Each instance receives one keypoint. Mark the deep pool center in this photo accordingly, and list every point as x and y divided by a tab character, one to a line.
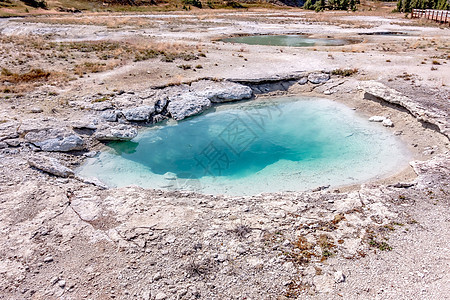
260	146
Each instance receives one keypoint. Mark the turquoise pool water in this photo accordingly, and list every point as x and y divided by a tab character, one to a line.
285	40
272	145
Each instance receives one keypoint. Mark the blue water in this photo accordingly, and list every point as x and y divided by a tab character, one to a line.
281	144
285	40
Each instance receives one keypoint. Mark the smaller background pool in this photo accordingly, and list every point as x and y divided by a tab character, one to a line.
286	40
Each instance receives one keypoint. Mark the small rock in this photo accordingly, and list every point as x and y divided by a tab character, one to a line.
54	280
377	119
186	105
170	239
387	123
303	80
327	92
339	277
157	276
160	105
317	78
55	140
170	176
160	296
280	215
221	257
13	142
36	110
240	250
48	259
221	91
62	283
141	113
49	165
3	145
90	154
115	133
110	116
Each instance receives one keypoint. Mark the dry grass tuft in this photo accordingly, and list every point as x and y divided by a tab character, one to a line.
30	76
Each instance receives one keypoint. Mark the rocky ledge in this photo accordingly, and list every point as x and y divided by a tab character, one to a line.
438	118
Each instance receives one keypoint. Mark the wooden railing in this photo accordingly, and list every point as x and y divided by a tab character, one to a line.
442	16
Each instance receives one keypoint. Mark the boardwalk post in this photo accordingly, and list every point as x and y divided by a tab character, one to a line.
440	16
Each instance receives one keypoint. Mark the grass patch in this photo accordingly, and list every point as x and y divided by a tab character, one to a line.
383	246
344	72
303	251
91	67
185	67
326	244
102	99
31	76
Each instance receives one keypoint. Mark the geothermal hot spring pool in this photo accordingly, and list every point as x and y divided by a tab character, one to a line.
293	40
268	145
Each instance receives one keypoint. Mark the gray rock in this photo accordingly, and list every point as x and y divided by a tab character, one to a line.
171	91
339	277
50	165
317	78
61	140
110	115
40	124
48	259
377	119
62	283
303	80
160	296
3	145
36	110
54	280
387	123
90	154
141	113
240	250
115	133
157	276
186	105
160	105
13	142
221	91
221	257
86	123
8	130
